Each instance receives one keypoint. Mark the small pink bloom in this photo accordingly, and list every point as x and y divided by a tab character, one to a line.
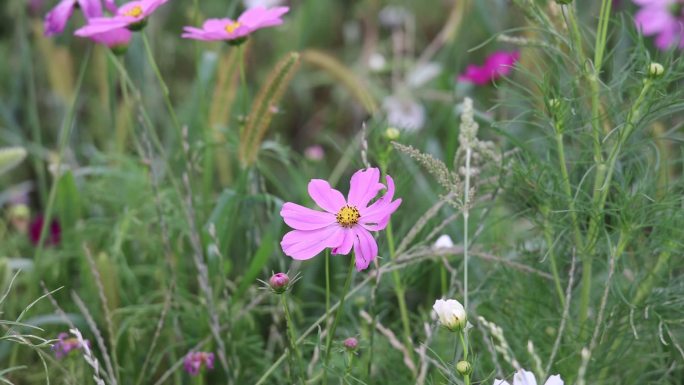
66	345
129	15
194	360
54	231
345	223
279	282
663	19
56	19
496	65
227	29
351	343
315	152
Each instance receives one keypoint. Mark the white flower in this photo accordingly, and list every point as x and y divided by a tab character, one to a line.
451	314
404	113
523	377
443	242
263	3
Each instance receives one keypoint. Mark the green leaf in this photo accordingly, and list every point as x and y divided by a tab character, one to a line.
10	157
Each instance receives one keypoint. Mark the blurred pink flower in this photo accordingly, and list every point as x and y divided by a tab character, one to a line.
111	6
194	360
54	231
496	65
131	15
56	19
663	18
227	29
315	152
344	223
66	345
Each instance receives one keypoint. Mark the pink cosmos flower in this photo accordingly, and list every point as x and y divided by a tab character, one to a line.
194	360
344	223
496	65
227	29
663	18
116	39
131	15
56	19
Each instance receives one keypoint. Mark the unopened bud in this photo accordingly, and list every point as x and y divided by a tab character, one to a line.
655	70
464	368
279	283
351	344
392	133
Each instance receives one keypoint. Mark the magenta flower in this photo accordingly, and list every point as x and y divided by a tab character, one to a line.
116	39
344	223
132	15
54	231
66	345
279	282
663	18
229	30
496	65
56	19
194	360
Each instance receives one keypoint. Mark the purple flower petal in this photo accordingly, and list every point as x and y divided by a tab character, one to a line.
303	218
325	196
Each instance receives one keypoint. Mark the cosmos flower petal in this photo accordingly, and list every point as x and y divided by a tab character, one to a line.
303	218
56	19
90	8
114	38
523	377
652	20
99	25
365	248
302	244
325	196
260	17
347	242
111	6
364	186
500	382
554	380
496	65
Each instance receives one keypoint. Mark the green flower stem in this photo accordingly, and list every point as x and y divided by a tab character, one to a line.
347	371
327	283
464	344
601	189
400	292
162	84
295	361
548	237
64	135
466	215
340	309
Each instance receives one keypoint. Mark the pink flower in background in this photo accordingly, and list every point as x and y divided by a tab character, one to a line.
344	223
66	345
315	152
56	19
227	29
496	65
132	15
664	19
54	231
194	361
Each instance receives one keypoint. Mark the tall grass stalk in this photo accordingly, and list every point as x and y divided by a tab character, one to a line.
333	328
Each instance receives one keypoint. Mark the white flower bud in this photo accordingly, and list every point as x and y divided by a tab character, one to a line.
655	70
451	314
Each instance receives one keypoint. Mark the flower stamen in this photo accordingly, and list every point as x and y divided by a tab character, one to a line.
232	26
348	216
135	11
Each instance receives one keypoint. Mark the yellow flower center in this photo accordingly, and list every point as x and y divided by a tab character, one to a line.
232	26
134	11
348	216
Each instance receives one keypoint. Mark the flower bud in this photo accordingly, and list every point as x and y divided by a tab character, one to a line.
392	133
279	283
351	344
451	314
655	70
464	368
